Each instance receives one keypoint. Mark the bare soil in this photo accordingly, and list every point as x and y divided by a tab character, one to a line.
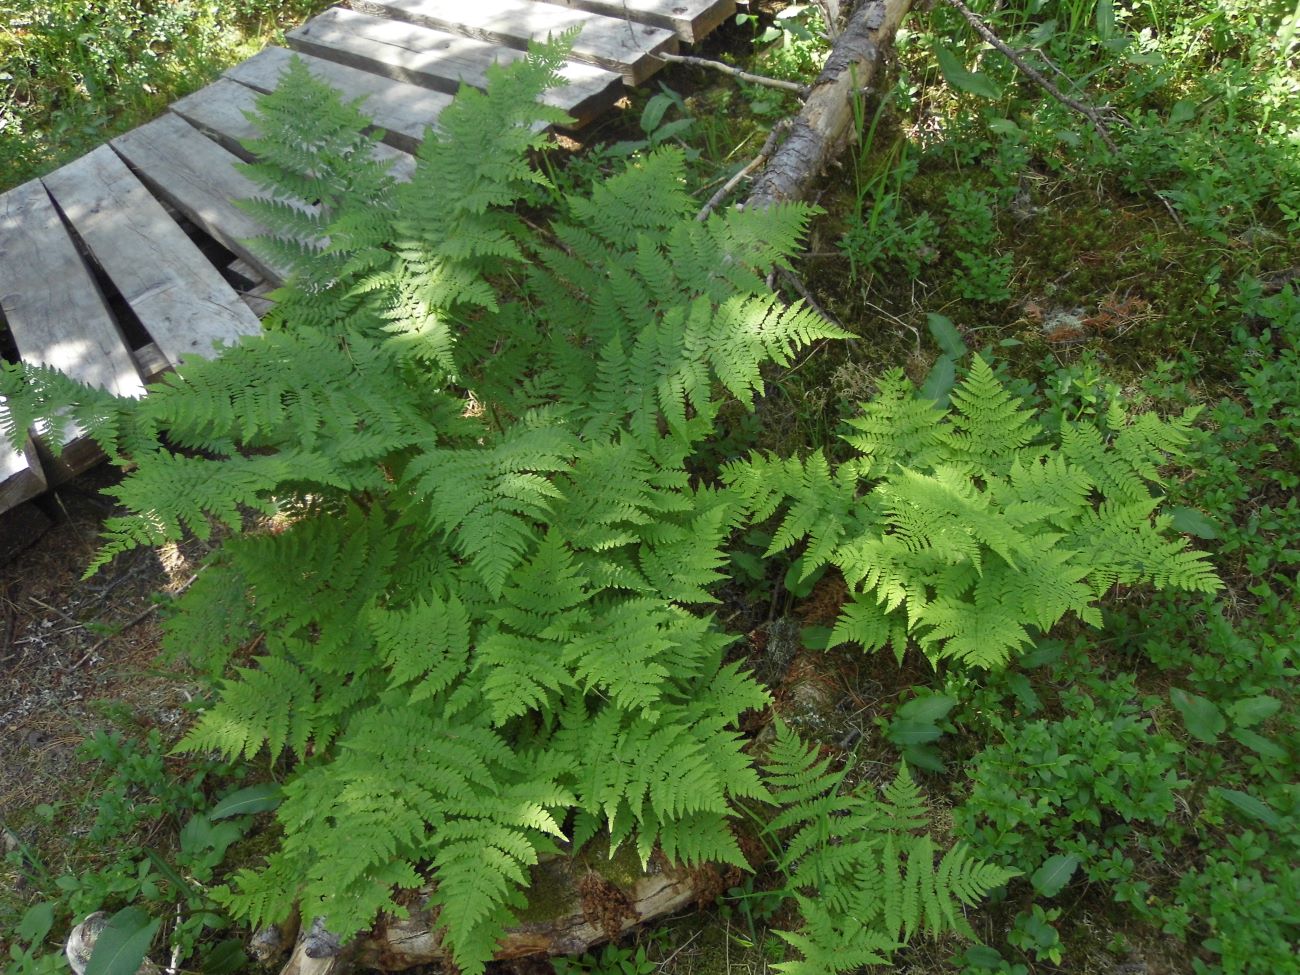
76	656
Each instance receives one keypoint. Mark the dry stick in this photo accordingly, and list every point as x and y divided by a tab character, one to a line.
753	164
1087	111
757	79
794	281
139	617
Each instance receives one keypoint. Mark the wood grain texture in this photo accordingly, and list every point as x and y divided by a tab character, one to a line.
55	310
198	177
181	299
617	45
403	112
21	476
691	20
221	110
433	59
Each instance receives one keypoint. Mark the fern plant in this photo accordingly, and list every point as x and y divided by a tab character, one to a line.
479	619
860	868
966	529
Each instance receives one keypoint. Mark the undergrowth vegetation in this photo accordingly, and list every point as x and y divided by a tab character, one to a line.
1039	441
75	73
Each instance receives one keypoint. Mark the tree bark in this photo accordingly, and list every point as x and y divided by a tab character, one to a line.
826	119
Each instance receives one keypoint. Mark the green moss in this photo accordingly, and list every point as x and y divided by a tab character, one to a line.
551	894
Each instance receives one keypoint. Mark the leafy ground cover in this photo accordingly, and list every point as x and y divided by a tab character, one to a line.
76	74
1140	775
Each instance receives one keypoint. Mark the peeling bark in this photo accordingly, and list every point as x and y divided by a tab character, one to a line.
826	120
572	907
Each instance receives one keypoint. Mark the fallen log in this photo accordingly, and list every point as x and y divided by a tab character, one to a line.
574	903
826	120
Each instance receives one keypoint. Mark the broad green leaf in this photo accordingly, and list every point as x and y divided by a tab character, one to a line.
1105	19
654	111
1189	521
1043	33
1259	744
1255	808
924	757
255	799
1028	699
1251	711
984	956
196	834
182	885
930	707
227	956
939	383
946	335
36	923
963	79
1052	876
1183	111
1043	655
1203	720
123	943
816	637
913	732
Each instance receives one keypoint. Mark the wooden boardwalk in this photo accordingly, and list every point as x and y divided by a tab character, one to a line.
116	265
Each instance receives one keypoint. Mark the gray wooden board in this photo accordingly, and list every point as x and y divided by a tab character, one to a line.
199	178
691	20
433	59
21	476
54	308
618	45
221	110
403	111
181	299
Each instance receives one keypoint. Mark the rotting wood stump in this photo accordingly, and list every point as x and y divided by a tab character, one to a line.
574	903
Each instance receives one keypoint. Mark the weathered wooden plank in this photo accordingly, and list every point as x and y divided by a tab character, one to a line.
403	111
21	476
433	59
691	20
56	313
220	110
181	299
617	45
54	308
199	178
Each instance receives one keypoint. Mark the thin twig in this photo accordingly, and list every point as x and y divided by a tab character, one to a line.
768	145
755	79
794	281
986	32
138	618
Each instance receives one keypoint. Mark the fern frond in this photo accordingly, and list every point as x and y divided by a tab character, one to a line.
897	428
862	881
273	704
988	423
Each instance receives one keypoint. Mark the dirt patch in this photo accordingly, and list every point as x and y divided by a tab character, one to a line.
77	656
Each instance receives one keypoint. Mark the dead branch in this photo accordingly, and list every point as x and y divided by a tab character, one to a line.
1024	67
755	79
827	116
753	164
